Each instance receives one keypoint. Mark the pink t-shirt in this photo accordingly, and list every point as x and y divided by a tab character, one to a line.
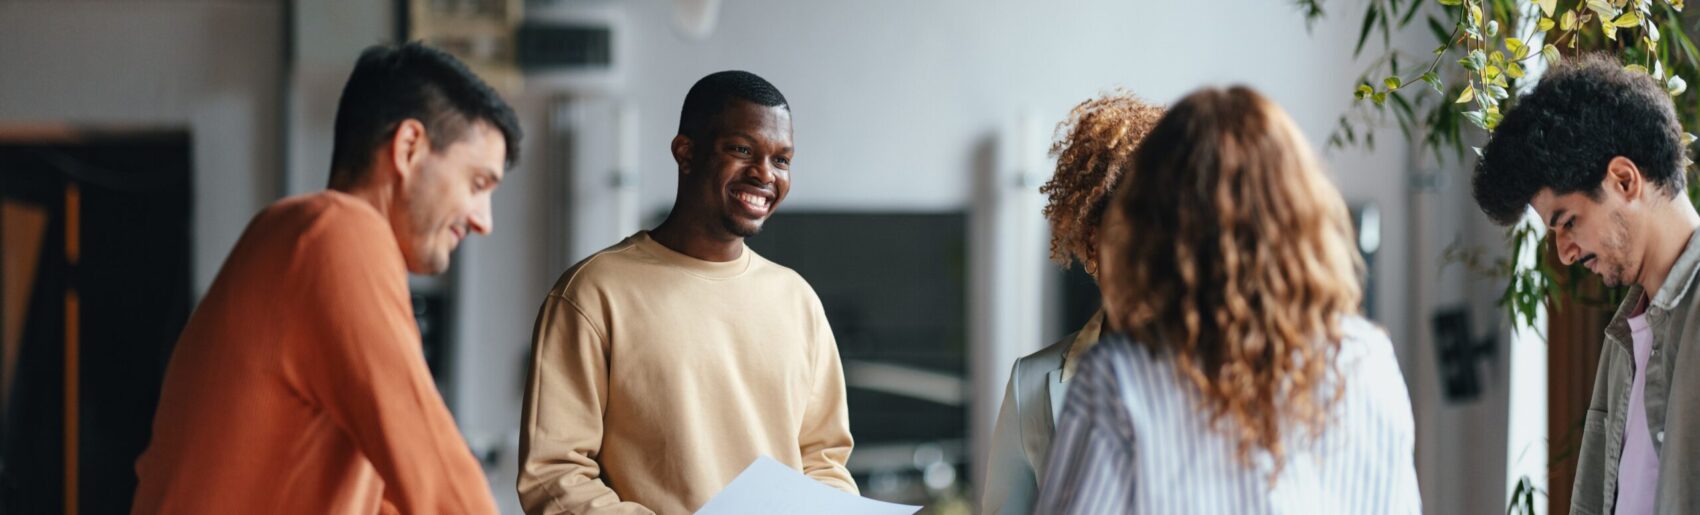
1638	469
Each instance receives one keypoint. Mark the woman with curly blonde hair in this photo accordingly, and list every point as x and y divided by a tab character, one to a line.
1098	139
1240	378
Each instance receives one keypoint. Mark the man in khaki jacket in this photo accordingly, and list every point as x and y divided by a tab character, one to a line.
664	365
1598	153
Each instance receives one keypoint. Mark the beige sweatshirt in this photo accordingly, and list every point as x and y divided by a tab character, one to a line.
657	377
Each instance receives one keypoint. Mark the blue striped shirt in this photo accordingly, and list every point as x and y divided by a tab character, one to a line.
1133	439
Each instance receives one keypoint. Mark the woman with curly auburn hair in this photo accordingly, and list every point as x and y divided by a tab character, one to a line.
1097	142
1240	377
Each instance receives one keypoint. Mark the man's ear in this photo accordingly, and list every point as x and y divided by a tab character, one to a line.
408	148
682	153
1624	178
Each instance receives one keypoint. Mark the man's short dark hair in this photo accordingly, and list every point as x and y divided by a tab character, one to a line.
1562	135
391	84
710	96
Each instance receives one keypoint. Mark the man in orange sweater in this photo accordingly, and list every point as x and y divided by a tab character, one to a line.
299	385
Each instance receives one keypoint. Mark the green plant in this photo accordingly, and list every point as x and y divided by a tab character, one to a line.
1523	497
1487	52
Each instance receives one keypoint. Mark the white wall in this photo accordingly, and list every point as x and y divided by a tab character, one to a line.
894	102
1461	447
211	67
327	36
890	98
895	105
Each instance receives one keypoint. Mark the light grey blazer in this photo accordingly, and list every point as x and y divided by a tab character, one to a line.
1021	441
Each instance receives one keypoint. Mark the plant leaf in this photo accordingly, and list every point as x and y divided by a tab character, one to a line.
1496	92
1433	81
1392	82
1416	5
1675	85
1407	115
1548	6
1439	30
1603	9
1628	20
1468	94
1551	54
1545	24
1363	33
1478	118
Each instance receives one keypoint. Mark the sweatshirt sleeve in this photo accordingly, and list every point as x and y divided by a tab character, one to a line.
561	429
365	368
825	438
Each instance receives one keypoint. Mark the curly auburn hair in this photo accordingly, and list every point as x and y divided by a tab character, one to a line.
1230	252
1100	135
1560	136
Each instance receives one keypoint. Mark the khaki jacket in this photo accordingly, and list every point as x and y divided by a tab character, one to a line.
1672	398
1021	441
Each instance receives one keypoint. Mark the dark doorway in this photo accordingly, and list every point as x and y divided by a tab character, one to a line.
96	233
894	287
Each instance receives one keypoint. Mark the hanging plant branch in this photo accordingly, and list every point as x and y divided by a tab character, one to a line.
1485	51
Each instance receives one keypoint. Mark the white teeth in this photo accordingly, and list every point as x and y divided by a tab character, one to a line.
754	200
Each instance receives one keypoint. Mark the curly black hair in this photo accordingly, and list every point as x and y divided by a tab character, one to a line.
1560	136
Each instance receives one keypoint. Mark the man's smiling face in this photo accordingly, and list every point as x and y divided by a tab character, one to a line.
742	171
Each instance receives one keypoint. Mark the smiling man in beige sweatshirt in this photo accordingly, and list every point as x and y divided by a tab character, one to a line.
665	364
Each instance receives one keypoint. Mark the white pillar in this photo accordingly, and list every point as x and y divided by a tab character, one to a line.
1009	244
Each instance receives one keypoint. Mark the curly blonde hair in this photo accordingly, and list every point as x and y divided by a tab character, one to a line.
1231	252
1099	137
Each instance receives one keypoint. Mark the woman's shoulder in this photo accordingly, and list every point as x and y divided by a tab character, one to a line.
1048	358
1117	362
1117	347
1362	343
1375	385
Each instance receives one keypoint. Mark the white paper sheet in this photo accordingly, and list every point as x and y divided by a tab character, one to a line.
768	487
